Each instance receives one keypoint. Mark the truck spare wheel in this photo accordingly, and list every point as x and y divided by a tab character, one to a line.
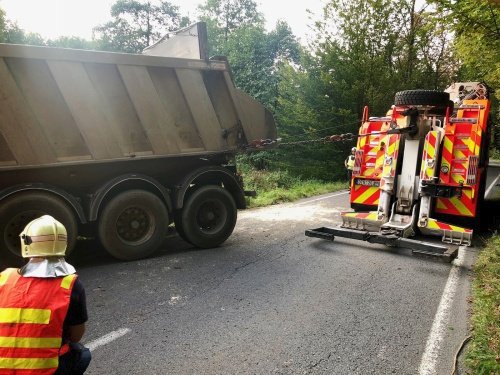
133	224
422	97
208	217
19	209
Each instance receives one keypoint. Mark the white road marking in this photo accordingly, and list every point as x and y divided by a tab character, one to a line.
322	198
106	339
493	184
438	330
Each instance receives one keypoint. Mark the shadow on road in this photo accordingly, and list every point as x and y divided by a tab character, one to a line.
90	253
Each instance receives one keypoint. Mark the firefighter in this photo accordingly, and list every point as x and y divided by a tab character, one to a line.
42	307
349	163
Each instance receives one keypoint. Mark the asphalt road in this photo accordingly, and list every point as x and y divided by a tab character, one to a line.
272	301
493	182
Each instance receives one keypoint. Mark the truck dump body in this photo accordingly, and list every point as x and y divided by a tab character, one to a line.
61	106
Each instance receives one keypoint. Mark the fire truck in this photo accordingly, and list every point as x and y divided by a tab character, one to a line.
420	170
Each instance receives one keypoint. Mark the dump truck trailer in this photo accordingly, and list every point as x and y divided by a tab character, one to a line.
119	146
420	171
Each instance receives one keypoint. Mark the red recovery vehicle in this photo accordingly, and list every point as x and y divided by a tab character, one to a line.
420	170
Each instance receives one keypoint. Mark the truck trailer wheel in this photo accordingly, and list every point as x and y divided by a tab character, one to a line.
19	209
178	225
133	225
422	97
209	216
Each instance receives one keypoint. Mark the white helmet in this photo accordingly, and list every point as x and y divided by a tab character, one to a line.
353	149
44	237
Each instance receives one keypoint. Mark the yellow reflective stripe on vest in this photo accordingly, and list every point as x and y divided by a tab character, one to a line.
30	342
66	281
18	315
29	363
350	162
4	276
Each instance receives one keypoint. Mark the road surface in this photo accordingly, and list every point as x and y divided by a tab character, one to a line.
272	301
492	193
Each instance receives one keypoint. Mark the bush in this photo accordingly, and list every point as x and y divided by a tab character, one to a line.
482	355
275	187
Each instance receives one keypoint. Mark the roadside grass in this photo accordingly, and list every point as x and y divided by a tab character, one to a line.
494	154
483	354
275	187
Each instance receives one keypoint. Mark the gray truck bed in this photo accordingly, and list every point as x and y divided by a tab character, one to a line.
60	106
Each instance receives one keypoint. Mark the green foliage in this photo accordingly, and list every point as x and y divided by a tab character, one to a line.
476	24
2	25
137	24
366	51
280	186
71	42
236	30
224	17
379	47
482	354
251	63
10	32
15	35
494	154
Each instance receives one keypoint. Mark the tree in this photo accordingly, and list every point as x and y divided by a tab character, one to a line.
226	16
236	30
10	32
15	35
476	24
477	27
256	56
366	50
71	42
379	47
2	25
137	24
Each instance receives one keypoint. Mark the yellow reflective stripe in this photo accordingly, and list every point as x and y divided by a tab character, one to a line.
66	281
366	195
30	342
462	208
4	276
18	315
441	205
448	144
28	363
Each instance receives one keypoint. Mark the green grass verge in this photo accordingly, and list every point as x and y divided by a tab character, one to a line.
483	354
275	187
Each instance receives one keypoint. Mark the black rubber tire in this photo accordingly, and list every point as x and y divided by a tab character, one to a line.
209	216
178	225
441	111
133	225
19	209
480	220
422	97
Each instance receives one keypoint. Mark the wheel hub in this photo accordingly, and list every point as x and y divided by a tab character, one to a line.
135	225
211	216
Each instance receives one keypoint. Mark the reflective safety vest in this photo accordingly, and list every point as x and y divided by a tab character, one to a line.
32	313
349	163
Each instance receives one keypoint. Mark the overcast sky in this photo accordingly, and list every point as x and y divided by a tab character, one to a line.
53	18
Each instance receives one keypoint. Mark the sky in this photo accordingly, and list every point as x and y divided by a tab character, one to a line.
54	18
